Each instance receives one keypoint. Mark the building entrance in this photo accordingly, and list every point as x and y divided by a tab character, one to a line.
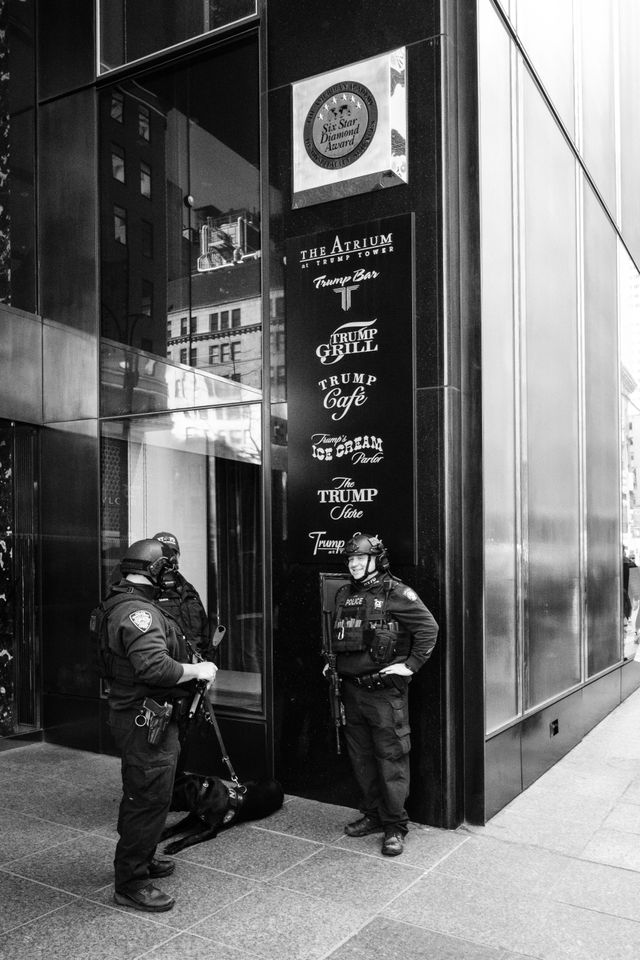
19	608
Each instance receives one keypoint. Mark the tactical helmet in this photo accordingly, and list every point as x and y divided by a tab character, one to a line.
169	540
370	545
146	557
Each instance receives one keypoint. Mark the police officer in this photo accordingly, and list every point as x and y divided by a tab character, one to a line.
382	635
146	659
181	600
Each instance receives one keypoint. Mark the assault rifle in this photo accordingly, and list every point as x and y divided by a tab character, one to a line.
335	696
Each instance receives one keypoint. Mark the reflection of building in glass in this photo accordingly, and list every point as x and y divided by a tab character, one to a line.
214	322
134	224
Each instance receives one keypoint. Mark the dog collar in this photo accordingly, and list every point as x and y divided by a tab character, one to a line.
236	798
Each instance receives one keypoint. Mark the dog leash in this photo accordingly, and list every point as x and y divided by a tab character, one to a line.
225	756
201	695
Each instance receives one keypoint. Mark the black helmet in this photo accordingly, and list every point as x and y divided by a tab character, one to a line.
146	557
169	539
365	544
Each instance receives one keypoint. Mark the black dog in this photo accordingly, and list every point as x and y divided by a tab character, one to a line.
214	805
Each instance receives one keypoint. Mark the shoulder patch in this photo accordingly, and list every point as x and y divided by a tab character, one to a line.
141	619
410	594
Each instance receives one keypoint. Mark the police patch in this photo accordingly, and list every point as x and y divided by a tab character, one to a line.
141	619
410	594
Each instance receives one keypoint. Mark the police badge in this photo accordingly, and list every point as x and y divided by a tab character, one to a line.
141	619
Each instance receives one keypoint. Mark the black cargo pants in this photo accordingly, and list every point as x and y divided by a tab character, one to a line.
148	774
378	740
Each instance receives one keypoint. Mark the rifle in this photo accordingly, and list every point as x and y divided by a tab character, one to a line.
335	698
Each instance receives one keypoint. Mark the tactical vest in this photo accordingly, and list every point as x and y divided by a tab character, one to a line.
362	624
113	664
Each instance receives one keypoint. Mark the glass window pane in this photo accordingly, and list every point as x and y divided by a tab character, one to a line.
196	474
117	163
128	31
191	225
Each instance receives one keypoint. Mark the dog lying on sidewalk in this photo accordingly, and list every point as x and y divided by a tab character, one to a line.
214	804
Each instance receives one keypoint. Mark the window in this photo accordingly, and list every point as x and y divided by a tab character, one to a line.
147	238
145	180
183	355
166	243
143	122
235	350
214	356
193	357
120	225
169	328
126	35
117	162
147	298
117	106
225	352
193	325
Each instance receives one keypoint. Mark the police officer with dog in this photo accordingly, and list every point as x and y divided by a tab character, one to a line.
147	663
382	634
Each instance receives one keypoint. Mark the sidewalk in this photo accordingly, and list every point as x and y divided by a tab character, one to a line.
556	875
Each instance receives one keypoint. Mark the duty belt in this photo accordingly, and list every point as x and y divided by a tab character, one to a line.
369	681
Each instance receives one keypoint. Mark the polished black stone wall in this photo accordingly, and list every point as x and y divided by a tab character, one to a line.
334	34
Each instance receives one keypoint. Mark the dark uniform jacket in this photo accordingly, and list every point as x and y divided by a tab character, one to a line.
382	602
183	603
147	649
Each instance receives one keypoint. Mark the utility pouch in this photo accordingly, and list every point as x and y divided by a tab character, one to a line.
382	645
155	718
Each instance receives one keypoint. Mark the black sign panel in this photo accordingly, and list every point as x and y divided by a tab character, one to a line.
351	388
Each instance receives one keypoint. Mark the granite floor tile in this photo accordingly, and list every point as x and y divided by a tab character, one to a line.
59	801
22	900
585	779
198	892
424	846
76	866
189	946
624	817
560	804
248	852
83	931
632	793
508	867
76	766
563	836
522	925
344	878
615	848
385	939
599	887
21	835
278	924
322	822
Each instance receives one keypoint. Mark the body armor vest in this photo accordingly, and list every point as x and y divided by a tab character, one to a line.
362	623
